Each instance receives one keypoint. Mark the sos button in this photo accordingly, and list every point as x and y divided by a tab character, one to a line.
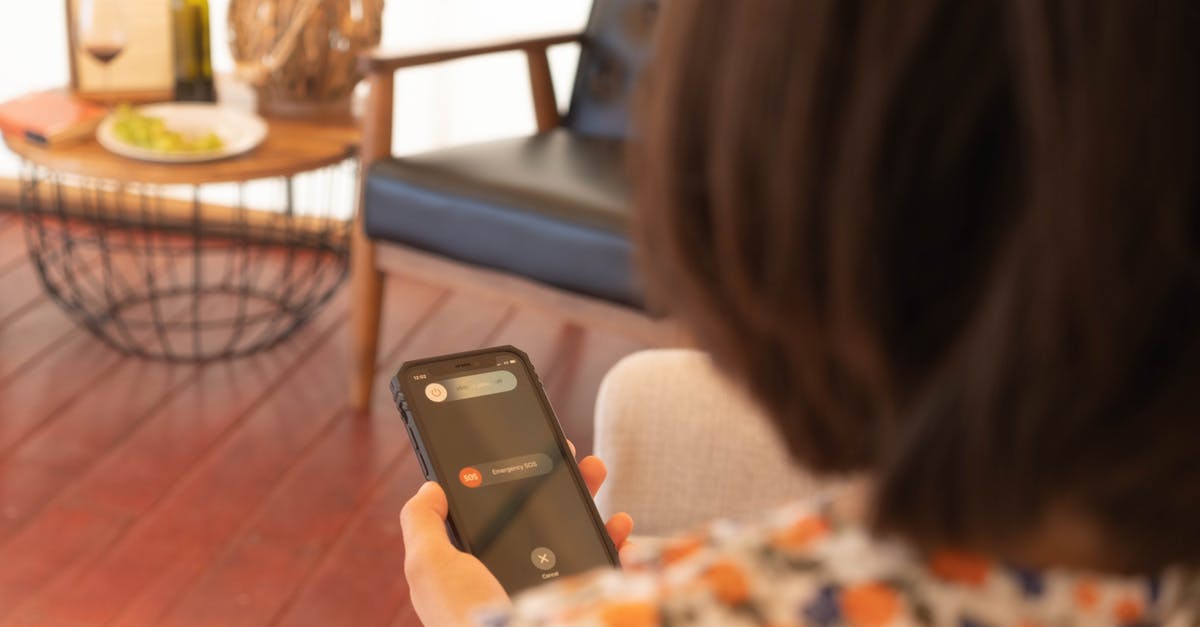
470	477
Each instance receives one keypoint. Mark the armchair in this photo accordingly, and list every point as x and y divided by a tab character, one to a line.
543	218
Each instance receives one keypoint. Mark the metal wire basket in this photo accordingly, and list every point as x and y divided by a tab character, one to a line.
189	273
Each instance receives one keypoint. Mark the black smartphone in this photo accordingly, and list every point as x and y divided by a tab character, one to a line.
482	427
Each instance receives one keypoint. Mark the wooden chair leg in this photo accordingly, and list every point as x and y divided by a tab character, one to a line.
365	278
366	284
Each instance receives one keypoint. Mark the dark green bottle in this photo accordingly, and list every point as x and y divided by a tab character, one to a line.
193	57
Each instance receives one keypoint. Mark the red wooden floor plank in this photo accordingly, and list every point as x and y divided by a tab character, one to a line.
56	455
50	377
97	396
406	617
535	333
145	465
246	472
19	289
553	347
18	279
37	327
59	450
12	241
255	574
64	531
362	580
573	383
254	579
31	335
50	383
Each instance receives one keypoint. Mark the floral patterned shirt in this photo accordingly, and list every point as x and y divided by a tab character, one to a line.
799	566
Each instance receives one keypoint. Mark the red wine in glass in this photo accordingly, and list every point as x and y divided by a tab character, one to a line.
101	32
104	52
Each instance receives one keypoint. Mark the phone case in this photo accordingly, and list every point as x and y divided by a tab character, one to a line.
426	463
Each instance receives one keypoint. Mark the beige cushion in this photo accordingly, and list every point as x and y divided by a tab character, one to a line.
685	446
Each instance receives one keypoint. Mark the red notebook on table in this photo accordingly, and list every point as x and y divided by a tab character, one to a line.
50	117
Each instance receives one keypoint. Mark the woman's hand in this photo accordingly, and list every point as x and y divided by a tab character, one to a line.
449	587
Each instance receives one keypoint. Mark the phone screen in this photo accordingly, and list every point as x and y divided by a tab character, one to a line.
493	446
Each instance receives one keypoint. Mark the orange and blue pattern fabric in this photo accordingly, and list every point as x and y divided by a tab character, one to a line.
799	566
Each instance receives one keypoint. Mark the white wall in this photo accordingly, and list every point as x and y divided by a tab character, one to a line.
449	104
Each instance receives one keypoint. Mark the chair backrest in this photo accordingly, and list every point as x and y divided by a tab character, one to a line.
616	46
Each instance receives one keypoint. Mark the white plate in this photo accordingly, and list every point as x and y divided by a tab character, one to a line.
239	131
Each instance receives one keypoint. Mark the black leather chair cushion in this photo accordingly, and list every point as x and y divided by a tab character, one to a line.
553	207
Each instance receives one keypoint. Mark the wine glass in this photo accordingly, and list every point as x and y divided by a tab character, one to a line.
100	32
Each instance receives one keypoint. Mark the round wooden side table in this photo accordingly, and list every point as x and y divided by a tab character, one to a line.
192	262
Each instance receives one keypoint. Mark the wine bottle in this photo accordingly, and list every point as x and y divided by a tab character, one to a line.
193	57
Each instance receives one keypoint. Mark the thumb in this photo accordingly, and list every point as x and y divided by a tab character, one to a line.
423	518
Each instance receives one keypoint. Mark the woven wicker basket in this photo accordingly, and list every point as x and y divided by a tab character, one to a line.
301	55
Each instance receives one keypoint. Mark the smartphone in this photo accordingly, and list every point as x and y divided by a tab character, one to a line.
482	427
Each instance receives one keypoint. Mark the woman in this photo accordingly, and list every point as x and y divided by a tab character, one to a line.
951	248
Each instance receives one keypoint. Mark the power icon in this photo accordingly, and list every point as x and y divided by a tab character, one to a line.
435	392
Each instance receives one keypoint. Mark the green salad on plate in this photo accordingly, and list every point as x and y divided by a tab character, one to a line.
151	133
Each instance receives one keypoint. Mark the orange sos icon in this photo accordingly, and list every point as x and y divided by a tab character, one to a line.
470	477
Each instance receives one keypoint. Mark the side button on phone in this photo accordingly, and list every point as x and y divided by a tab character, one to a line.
424	468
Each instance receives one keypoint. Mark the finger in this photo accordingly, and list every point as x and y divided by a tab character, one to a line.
423	520
619	527
571	445
627	554
594	471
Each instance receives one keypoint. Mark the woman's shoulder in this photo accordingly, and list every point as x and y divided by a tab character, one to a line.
801	565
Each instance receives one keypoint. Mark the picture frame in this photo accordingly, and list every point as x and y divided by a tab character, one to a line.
142	72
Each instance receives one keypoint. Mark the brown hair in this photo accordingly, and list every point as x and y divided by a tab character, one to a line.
951	244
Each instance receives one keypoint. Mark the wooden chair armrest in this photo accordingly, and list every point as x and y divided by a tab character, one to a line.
377	61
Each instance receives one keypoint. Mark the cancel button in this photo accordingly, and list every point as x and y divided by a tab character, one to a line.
543	558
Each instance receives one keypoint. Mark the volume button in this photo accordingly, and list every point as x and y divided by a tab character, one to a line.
412	439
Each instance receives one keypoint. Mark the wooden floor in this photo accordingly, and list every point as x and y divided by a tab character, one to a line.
240	493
